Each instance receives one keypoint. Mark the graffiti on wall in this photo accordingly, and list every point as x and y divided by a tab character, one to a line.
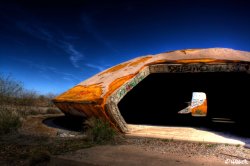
182	68
119	94
175	68
116	116
124	89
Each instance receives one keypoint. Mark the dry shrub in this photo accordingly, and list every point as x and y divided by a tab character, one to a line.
99	131
17	102
52	111
13	96
9	121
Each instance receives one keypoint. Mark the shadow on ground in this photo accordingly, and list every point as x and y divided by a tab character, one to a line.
70	123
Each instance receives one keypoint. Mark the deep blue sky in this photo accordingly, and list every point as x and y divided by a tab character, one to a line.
53	45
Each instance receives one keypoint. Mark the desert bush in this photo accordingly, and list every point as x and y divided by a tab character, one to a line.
99	131
9	121
9	89
52	111
17	102
27	98
26	102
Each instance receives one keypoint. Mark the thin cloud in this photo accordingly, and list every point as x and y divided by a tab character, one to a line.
98	67
41	32
35	30
67	78
70	37
44	69
59	39
45	35
75	56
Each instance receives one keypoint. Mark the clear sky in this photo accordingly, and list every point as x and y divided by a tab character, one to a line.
52	45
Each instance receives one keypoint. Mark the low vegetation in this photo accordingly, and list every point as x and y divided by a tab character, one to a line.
21	149
9	121
33	150
99	131
16	102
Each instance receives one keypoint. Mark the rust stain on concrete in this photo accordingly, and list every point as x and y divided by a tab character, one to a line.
115	68
82	93
140	60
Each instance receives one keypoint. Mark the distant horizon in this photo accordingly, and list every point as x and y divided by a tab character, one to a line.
53	46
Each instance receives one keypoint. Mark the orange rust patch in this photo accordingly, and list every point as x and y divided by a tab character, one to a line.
81	93
197	60
205	61
115	68
119	82
114	85
141	60
189	51
201	109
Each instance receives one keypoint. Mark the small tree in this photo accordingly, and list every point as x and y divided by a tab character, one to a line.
28	98
16	102
10	90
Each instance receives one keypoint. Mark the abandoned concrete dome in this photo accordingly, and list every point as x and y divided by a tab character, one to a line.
154	86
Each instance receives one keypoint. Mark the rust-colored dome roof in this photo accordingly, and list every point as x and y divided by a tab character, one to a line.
93	97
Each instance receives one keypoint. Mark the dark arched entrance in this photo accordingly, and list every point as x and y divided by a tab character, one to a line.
157	99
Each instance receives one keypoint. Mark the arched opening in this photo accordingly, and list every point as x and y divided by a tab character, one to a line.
157	99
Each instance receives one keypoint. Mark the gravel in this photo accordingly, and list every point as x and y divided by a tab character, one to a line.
188	149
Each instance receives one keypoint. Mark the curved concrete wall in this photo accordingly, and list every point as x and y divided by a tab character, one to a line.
99	95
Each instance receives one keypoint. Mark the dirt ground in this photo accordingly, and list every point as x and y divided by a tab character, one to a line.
42	145
23	150
131	155
149	152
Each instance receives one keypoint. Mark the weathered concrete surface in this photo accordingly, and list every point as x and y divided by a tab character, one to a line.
129	155
181	134
99	95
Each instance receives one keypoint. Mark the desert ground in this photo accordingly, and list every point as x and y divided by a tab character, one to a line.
37	143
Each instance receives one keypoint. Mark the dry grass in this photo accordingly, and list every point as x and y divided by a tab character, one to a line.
9	121
99	131
32	150
16	103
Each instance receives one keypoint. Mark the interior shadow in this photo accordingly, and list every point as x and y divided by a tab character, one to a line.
157	99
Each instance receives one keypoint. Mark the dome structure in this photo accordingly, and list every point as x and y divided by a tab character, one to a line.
100	95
